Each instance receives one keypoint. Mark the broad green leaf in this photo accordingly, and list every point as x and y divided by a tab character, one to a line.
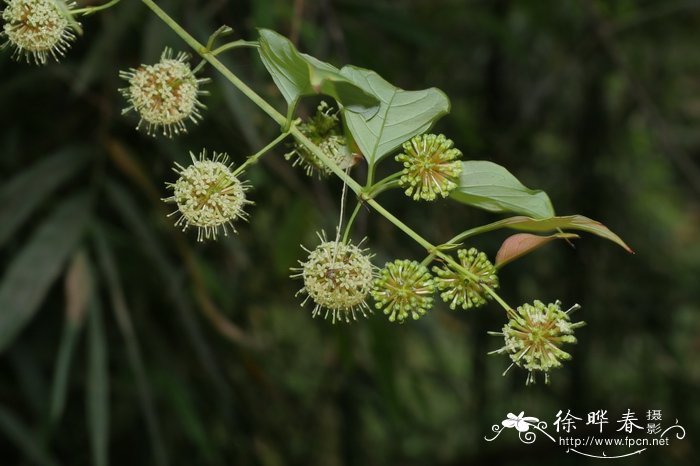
97	387
24	439
401	115
491	187
36	267
21	195
518	245
297	74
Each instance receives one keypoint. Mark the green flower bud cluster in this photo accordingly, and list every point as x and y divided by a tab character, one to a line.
534	336
37	29
404	288
208	196
324	130
430	167
467	291
165	95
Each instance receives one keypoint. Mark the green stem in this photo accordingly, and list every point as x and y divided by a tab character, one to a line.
313	148
233	45
94	9
348	227
468	234
377	189
370	175
254	158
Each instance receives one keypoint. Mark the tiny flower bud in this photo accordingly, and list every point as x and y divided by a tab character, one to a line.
461	290
337	278
208	196
404	288
534	336
165	95
430	167
324	131
36	29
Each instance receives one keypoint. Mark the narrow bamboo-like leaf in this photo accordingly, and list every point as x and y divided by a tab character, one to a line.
518	245
36	267
491	187
78	288
21	195
401	115
97	387
297	74
25	440
126	327
129	210
64	357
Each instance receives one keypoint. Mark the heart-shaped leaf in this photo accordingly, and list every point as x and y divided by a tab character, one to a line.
518	245
491	187
401	115
297	74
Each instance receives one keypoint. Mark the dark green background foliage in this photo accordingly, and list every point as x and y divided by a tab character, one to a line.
199	354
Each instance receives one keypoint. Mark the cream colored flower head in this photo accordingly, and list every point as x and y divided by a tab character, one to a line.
337	278
165	95
534	336
208	195
37	29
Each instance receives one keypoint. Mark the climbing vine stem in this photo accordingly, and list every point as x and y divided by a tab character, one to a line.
282	120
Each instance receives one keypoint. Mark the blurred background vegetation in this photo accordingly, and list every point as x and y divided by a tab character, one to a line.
124	339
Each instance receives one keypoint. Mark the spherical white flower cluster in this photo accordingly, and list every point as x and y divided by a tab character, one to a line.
37	29
208	196
165	95
337	277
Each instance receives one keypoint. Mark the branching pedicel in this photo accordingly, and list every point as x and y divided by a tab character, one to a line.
374	119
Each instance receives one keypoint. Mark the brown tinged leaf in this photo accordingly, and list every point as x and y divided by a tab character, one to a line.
516	246
78	288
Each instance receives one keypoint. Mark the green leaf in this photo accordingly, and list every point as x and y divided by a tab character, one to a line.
489	186
297	74
572	222
25	192
518	245
402	114
126	326
97	387
36	267
78	290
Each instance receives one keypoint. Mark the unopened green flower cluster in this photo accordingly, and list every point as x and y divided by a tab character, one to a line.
465	286
430	167
324	130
